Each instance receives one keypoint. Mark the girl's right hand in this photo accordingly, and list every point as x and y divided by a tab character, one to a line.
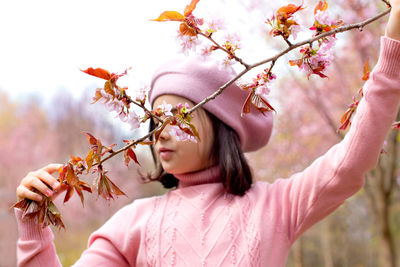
40	180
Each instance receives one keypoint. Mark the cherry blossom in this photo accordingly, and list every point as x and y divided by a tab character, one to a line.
181	135
165	108
187	42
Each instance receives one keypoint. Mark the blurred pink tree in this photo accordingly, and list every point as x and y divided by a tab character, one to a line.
32	136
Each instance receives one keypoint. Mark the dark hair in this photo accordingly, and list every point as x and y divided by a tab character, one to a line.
234	170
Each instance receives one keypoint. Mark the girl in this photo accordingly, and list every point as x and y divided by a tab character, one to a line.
215	217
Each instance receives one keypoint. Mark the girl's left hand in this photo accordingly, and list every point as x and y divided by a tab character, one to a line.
393	26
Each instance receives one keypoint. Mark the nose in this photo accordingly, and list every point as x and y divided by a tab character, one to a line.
165	133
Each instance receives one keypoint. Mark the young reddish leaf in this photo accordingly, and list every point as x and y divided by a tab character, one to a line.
189	8
92	140
258	102
366	71
106	188
75	160
89	160
286	11
108	149
108	88
100	73
296	62
97	96
127	158
247	104
68	194
148	143
322	6
170	16
44	213
132	155
185	29
158	132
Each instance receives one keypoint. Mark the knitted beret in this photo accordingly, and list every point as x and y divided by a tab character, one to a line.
195	78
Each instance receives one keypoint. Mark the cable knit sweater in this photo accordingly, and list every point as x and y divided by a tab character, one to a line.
199	224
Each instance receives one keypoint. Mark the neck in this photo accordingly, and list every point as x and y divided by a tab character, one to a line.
206	176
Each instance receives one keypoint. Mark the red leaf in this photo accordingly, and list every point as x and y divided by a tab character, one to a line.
92	140
345	120
108	87
69	193
132	155
97	96
322	6
106	188
366	71
247	104
258	103
127	158
158	132
189	8
44	213
89	160
100	73
185	29
170	16
288	10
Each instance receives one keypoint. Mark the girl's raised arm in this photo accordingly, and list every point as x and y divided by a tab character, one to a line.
312	194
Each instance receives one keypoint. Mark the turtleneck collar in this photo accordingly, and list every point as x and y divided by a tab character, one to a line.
206	176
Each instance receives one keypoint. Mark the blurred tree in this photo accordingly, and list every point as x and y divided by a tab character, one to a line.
32	136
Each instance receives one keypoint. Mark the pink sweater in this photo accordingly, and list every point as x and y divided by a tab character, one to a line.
199	224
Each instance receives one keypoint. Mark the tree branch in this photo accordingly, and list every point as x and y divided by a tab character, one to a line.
359	26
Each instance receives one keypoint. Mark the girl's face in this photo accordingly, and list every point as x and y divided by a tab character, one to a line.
179	157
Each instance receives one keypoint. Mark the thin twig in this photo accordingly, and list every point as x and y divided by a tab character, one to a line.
387	3
128	146
359	25
248	68
238	59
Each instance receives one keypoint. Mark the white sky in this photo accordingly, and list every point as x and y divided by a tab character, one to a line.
43	44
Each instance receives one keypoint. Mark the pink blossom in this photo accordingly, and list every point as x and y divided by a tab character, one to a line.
294	30
263	91
133	120
205	51
227	65
326	46
215	25
105	97
166	108
181	135
180	106
323	18
114	106
187	42
141	93
234	39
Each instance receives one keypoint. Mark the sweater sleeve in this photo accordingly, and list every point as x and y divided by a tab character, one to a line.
35	245
309	196
116	243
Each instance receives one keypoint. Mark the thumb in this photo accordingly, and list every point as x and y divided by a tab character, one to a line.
51	168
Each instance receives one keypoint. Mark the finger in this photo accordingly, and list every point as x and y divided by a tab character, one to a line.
47	178
33	182
23	192
51	168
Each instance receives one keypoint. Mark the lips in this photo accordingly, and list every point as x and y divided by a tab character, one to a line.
165	153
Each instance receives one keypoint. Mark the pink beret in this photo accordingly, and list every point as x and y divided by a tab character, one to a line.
195	78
